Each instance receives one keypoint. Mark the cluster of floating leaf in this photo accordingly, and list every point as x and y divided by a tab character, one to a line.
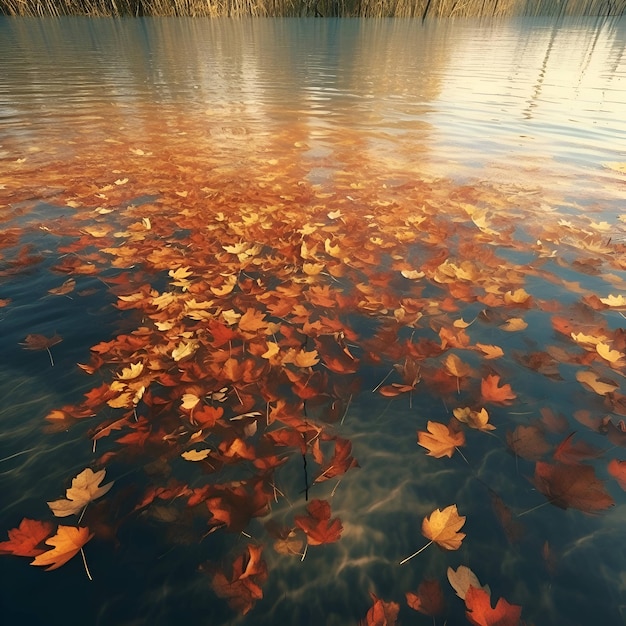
250	296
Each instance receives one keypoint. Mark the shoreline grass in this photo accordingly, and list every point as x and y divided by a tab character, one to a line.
422	9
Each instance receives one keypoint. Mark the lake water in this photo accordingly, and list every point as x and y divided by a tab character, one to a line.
264	239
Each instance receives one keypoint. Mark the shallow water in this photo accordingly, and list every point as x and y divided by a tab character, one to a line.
484	153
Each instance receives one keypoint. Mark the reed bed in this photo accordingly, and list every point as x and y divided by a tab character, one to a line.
319	8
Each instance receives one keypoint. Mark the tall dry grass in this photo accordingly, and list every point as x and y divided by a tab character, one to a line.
321	8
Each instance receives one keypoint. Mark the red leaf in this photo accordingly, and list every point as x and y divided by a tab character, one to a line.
480	613
428	599
23	541
317	525
382	613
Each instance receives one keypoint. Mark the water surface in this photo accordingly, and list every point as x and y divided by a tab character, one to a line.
484	153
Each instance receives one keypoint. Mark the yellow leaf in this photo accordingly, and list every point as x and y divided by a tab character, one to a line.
456	367
604	350
412	274
85	488
617	301
442	527
513	324
582	338
190	400
196	455
184	349
272	350
130	372
67	542
180	273
592	380
490	352
519	296
312	269
306	359
440	441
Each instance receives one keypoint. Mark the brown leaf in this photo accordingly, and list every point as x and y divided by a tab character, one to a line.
428	599
572	486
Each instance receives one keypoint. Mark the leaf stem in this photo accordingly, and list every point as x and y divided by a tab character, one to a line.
408	558
534	508
82	553
50	355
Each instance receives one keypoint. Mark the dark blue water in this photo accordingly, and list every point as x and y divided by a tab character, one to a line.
493	147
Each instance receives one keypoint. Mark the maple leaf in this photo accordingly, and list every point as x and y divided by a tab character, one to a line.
440	441
575	486
67	542
24	539
428	599
317	525
382	613
462	579
243	587
573	453
528	442
490	352
480	613
491	392
592	381
41	342
85	488
442	527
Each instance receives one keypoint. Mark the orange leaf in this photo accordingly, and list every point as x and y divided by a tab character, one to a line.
382	613
442	527
23	541
480	613
440	440
617	469
492	393
67	542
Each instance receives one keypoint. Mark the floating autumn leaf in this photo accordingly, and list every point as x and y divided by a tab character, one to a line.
605	351
41	342
381	613
474	419
592	381
67	542
514	324
616	468
489	351
242	588
440	440
442	527
428	599
614	301
25	539
491	392
317	525
528	442
572	486
462	579
480	613
572	453
85	488
196	455
64	289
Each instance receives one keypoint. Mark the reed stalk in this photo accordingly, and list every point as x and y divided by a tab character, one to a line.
424	9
